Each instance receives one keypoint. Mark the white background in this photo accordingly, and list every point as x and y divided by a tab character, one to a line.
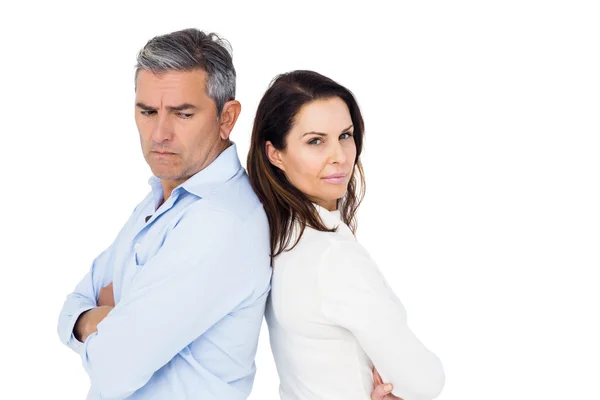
482	162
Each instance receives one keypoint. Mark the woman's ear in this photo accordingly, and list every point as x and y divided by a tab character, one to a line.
274	156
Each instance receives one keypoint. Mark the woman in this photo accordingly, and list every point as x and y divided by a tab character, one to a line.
332	318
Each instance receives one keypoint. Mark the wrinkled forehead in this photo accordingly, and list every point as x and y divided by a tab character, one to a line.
171	87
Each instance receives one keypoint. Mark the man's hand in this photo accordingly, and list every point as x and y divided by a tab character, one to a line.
106	296
381	391
87	323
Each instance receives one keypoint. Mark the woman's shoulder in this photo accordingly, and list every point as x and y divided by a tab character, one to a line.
339	254
313	245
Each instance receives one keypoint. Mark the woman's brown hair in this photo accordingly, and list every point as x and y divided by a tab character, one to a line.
283	202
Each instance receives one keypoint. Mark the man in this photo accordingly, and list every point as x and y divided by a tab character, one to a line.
173	308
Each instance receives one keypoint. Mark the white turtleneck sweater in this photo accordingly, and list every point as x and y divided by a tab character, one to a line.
332	316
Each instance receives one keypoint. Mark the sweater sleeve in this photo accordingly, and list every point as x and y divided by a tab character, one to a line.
355	295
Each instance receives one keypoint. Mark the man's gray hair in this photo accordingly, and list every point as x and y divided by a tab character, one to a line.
188	50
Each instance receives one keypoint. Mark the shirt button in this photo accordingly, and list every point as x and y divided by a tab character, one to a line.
136	246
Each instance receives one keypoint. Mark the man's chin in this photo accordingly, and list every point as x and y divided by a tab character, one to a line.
166	175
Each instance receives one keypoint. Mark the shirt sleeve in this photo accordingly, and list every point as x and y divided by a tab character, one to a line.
83	298
356	296
199	275
85	295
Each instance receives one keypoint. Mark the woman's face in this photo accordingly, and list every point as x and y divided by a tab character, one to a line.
320	152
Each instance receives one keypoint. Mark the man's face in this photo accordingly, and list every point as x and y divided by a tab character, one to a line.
177	122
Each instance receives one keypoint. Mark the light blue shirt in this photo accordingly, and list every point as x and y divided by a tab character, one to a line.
190	286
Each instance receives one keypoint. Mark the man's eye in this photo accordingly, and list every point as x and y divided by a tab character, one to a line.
185	115
147	112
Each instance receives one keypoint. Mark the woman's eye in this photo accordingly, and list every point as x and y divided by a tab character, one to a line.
346	135
315	141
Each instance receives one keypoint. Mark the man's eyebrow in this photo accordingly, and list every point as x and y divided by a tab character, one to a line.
324	134
181	107
145	107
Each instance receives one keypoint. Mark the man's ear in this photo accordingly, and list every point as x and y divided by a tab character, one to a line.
274	156
229	115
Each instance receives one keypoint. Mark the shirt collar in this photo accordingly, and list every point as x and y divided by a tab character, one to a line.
333	219
330	218
203	182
